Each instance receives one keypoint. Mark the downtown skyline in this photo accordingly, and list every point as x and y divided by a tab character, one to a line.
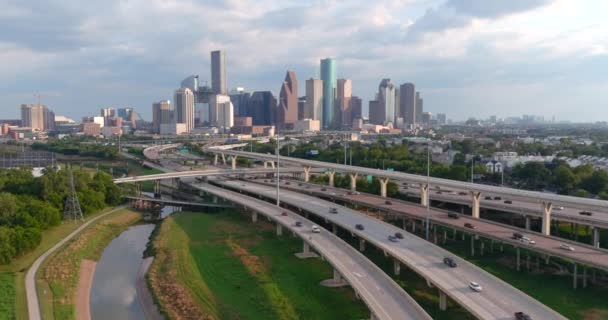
469	60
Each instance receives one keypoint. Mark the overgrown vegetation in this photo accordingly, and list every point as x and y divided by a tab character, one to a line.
83	147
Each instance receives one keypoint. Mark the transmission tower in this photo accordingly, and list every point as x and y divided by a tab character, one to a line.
71	210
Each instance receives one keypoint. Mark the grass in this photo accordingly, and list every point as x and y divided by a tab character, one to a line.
58	277
243	271
12	276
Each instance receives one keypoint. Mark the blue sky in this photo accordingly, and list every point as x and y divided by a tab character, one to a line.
468	58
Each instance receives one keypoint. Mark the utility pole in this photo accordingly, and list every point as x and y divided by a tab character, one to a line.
428	198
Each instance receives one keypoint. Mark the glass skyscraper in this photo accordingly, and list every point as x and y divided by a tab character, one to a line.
328	75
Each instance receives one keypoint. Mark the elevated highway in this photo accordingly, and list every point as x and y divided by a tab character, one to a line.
384	298
498	300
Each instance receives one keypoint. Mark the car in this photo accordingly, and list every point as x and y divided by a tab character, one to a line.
439	192
462	193
468	225
517	235
453	215
449	262
405	184
333	210
566	247
284	213
527	240
298	223
508	202
497	198
586	213
323	189
558	208
287	182
300	184
388	202
475	286
398	235
353	193
392	239
359	226
487	198
522	316
316	229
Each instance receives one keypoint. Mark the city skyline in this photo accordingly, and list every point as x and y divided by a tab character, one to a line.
468	60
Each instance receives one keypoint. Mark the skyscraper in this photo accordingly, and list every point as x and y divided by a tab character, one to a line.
240	101
302	108
216	103
263	107
328	75
128	115
419	107
344	95
190	82
37	117
377	112
218	72
184	107
314	100
287	112
161	114
356	106
407	103
386	98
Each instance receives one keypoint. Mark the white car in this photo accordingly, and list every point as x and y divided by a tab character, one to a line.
566	247
316	229
558	208
475	286
527	240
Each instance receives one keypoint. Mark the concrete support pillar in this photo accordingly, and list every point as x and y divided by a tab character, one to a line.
234	162
334	282
424	194
584	277
517	249
443	301
435	234
306	173
596	237
223	159
331	174
353	181
383	184
306	253
481	248
454	234
528	261
279	229
574	276
215	160
472	246
157	188
546	211
475	196
254	217
527	222
361	245
396	267
576	232
334	228
372	316
445	236
491	246
463	236
413	225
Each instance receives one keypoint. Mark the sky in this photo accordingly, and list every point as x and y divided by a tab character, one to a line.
468	58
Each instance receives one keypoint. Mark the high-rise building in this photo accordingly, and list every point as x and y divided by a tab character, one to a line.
356	107
191	83
407	103
302	108
328	75
419	107
218	72
240	101
386	97
216	102
426	119
343	106
37	117
184	107
377	112
161	114
314	100
225	116
442	119
108	115
128	115
287	112
263	108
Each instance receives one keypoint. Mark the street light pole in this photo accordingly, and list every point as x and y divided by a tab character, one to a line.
278	171
428	198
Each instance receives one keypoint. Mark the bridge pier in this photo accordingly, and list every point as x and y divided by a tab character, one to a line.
157	193
306	253
254	217
584	277
306	173
596	237
334	228
443	301
475	196
574	276
279	229
517	262
527	222
361	245
472	245
546	211
396	267
224	159
334	282
424	194
353	181
331	174
383	185
215	160
234	162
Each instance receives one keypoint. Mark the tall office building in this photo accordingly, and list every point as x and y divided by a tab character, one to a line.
161	114
37	117
302	108
377	112
407	103
108	115
218	72
263	108
419	107
184	107
287	112
343	99
240	101
386	98
314	100
442	119
190	82
216	102
128	115
328	75
223	112
356	108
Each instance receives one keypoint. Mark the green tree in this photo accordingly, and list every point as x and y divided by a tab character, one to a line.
597	182
564	179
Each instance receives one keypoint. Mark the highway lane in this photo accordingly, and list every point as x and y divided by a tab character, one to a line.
498	300
582	253
385	299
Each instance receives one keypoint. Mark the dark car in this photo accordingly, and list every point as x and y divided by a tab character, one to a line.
470	226
323	189
359	227
497	198
508	202
283	213
392	239
298	223
517	235
388	202
439	192
299	184
487	198
586	213
453	215
398	235
287	183
449	262
333	210
522	316
462	193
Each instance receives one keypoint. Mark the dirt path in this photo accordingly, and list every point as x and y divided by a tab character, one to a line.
83	292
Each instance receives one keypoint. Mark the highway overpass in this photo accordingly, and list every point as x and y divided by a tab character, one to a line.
498	300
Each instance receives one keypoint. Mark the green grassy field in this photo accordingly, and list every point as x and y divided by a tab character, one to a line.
243	271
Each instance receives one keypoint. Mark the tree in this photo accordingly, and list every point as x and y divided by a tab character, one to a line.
8	205
597	182
565	179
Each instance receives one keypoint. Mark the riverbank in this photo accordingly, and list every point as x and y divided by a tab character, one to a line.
221	266
58	279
